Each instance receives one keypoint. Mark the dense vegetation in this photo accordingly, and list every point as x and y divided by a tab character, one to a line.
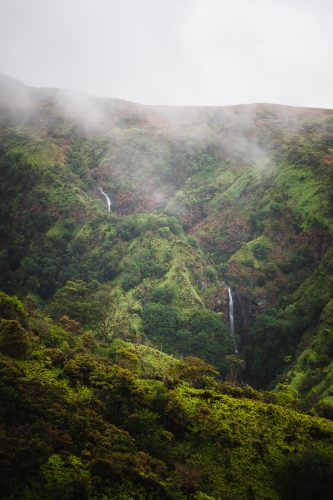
83	418
110	393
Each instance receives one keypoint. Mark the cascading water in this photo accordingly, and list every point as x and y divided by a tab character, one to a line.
108	201
231	318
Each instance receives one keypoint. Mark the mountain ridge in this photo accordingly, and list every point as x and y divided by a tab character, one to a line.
7	80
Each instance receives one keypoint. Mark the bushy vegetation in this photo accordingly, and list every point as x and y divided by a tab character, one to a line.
87	419
115	399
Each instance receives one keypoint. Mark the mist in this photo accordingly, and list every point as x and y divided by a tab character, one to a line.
149	156
186	52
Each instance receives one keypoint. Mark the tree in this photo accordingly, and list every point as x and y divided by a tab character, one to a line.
86	302
235	365
66	478
306	477
70	325
12	308
195	371
14	340
160	322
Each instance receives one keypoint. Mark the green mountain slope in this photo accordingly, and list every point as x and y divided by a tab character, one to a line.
82	418
202	199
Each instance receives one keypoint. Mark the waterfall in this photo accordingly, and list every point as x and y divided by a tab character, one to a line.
108	201
231	318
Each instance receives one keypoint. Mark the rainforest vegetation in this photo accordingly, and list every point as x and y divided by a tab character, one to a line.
120	375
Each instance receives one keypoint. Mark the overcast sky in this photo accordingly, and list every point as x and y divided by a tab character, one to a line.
202	52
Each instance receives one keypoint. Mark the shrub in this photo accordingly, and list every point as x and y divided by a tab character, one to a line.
66	478
193	242
12	308
129	281
160	321
260	251
195	371
306	477
211	274
13	338
163	294
126	358
164	232
270	271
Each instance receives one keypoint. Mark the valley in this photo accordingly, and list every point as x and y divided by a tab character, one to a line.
167	276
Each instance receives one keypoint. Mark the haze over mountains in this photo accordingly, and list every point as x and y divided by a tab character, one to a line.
204	202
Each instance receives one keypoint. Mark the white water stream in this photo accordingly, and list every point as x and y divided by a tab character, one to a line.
231	318
108	201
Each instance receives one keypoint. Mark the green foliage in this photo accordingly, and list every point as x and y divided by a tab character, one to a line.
308	192
252	253
85	414
211	274
85	302
260	251
140	424
164	232
127	358
200	332
68	478
164	294
13	338
160	322
194	371
312	373
12	308
306	476
129	281
235	365
153	364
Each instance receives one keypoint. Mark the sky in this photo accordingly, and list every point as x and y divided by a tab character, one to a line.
178	52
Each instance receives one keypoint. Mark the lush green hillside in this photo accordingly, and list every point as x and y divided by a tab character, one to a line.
252	183
82	418
202	199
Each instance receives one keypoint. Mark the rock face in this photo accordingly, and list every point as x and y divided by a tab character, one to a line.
245	316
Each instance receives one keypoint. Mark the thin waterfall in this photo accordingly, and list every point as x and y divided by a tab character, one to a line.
231	318
108	201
